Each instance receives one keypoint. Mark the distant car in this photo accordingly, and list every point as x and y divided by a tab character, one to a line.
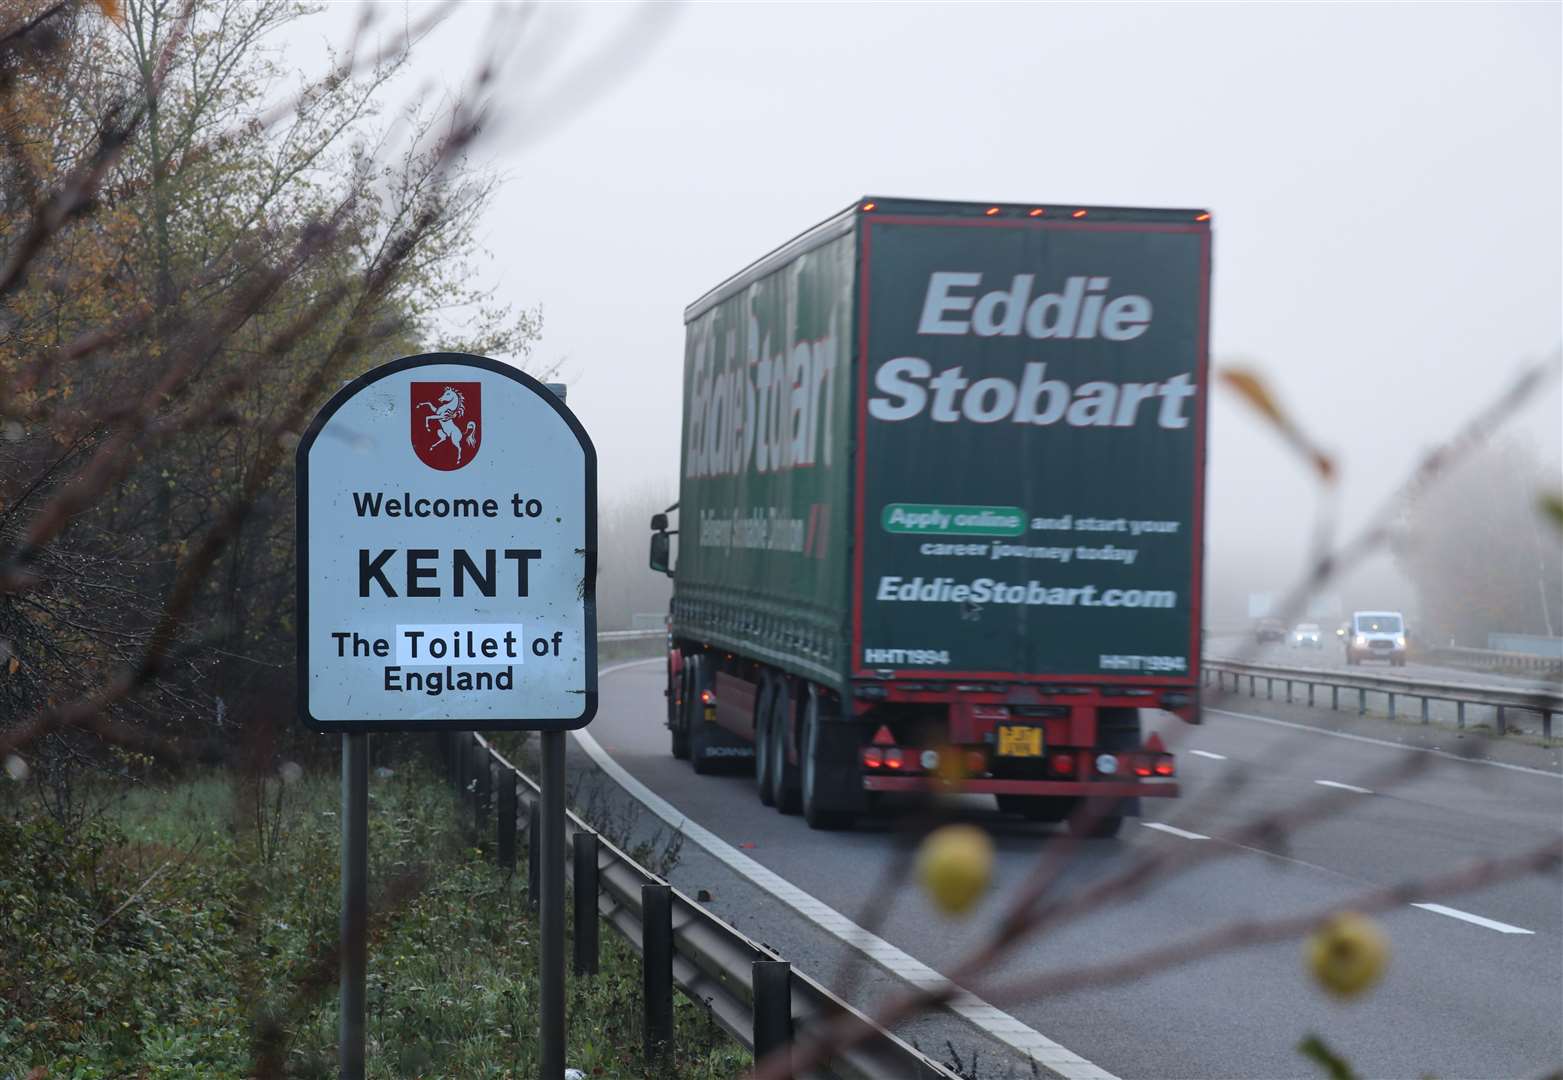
1306	636
1269	630
1376	635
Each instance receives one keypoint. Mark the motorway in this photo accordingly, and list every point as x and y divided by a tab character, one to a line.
1474	988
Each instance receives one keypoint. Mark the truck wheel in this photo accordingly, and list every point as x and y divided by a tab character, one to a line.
784	774
676	725
1038	807
809	755
762	741
694	717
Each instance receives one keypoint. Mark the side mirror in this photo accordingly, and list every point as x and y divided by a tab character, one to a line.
659	523
660	546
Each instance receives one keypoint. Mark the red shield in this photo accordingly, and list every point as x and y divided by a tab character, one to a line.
447	423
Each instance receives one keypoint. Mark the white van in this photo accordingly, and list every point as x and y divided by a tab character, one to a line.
1376	635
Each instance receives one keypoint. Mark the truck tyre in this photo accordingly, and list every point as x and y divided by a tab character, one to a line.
785	784
1051	808
676	725
694	715
763	762
1117	731
811	764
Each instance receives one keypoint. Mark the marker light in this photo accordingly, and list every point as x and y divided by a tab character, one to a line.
991	211
929	760
1038	212
1078	214
869	206
1106	764
1202	217
1063	763
707	697
976	762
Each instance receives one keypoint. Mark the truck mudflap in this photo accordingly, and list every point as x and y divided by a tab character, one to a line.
929	785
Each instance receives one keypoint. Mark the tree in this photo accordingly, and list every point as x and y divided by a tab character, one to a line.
1479	553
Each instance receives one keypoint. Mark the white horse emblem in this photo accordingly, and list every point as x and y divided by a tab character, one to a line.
443	413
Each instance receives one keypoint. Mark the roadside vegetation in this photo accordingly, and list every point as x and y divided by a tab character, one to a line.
182	934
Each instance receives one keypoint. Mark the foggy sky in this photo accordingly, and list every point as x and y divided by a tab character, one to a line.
1384	181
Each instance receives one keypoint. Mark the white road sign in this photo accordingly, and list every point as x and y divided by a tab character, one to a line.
447	553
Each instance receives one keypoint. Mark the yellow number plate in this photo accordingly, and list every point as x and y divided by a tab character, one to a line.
1016	740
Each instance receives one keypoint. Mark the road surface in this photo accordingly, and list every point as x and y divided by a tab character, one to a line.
1474	988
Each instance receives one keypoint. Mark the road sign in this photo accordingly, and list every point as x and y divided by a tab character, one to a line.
447	548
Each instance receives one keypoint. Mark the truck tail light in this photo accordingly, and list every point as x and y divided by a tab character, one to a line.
873	757
976	762
893	758
1142	766
1063	764
1165	766
707	697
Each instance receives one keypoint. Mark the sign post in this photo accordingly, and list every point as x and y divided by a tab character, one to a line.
447	551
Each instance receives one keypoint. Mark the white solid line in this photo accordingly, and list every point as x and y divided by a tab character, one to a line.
1343	787
1386	742
1207	753
1466	916
1174	830
1001	1025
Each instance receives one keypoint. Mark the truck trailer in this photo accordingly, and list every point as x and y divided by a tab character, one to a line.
940	517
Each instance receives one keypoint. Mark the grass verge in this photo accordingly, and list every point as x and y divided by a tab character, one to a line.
191	933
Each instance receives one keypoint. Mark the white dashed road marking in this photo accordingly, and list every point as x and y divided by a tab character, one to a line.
1343	787
1466	916
1211	756
1174	830
996	1022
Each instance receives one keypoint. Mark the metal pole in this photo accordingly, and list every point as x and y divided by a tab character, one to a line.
551	871
772	984
656	955
355	906
534	833
585	880
506	849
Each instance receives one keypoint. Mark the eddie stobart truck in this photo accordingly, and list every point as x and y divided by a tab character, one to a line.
941	508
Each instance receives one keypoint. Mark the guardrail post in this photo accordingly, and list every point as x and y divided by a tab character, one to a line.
1269	688
534	839
1362	702
656	940
1503	727
482	794
1334	699
584	878
1288	691
1310	695
1391	704
772	983
1546	723
1459	713
505	850
1425	717
1252	691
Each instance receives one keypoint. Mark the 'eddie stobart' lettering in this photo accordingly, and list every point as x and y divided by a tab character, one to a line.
1080	310
1083	309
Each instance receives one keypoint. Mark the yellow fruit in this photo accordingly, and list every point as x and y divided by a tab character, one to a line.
954	865
1347	954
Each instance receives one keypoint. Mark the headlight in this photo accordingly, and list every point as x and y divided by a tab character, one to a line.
1400	641
1362	639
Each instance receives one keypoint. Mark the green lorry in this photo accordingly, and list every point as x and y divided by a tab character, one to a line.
940	518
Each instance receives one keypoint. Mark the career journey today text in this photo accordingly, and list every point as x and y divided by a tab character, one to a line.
436	658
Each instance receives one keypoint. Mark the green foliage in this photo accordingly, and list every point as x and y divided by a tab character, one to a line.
162	945
1335	1067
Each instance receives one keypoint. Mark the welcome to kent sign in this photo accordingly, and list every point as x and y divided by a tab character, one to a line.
447	548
